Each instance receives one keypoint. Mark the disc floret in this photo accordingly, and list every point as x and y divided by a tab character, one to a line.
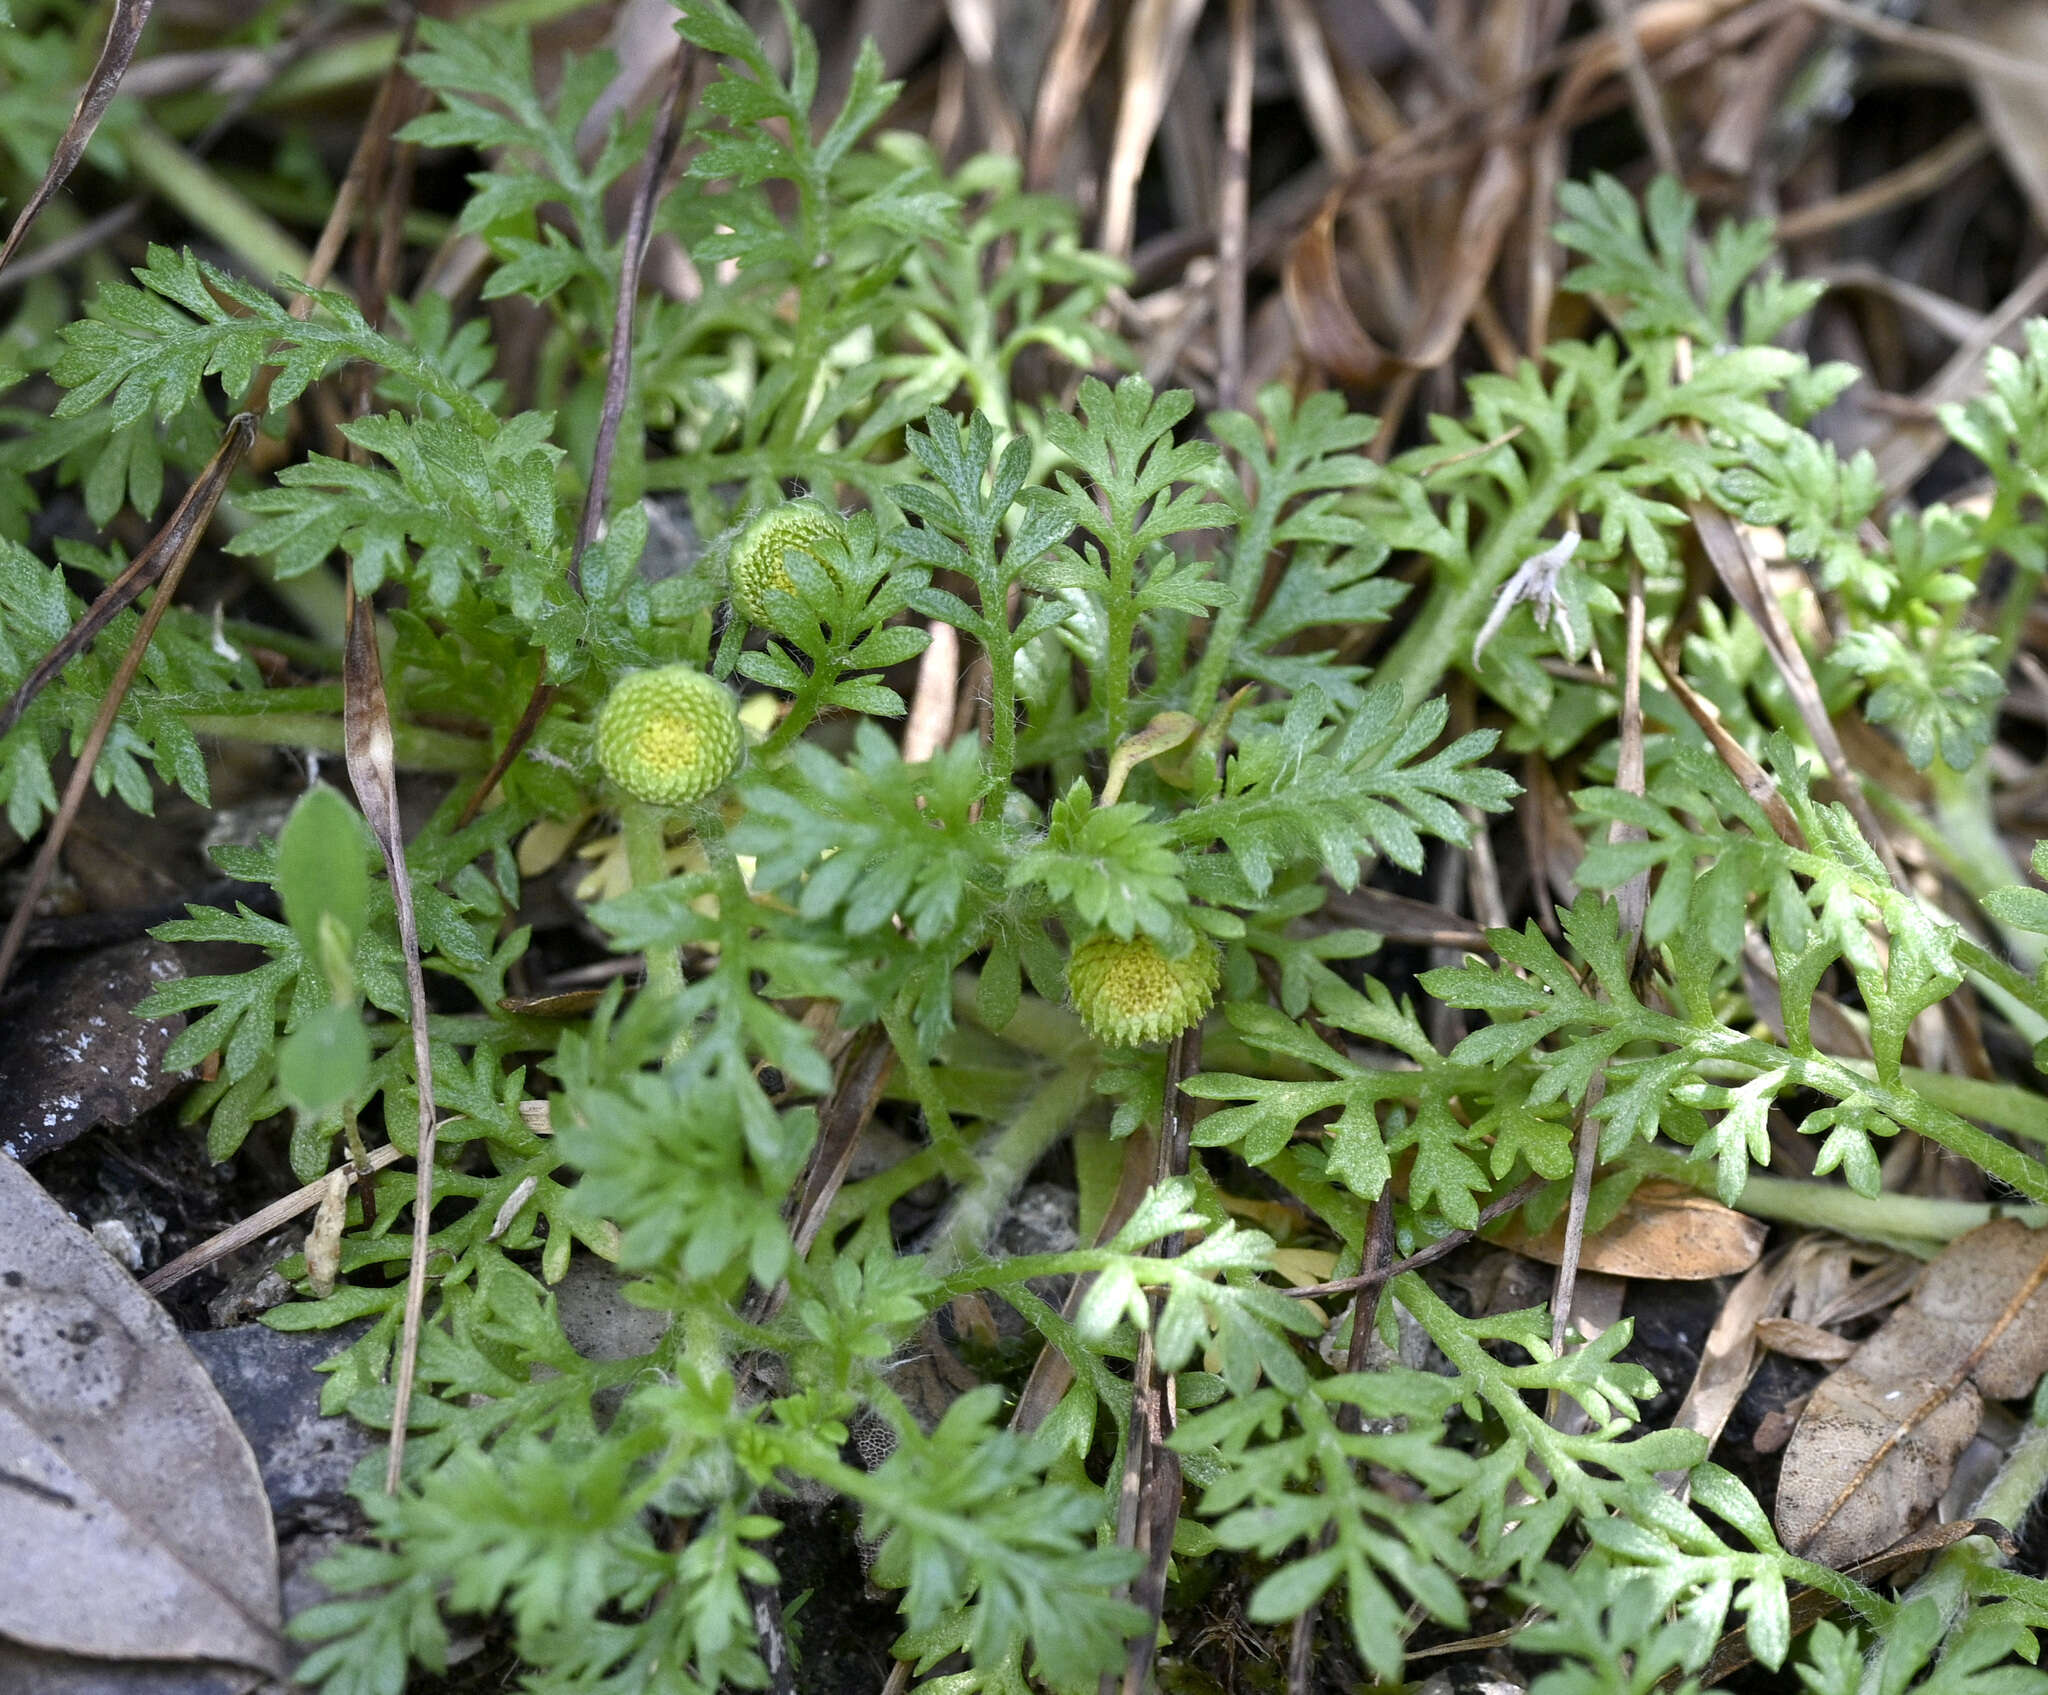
669	736
758	568
1131	992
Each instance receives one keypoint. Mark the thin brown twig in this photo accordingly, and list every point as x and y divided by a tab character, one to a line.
1913	180
618	376
1233	211
187	524
1444	1245
257	1225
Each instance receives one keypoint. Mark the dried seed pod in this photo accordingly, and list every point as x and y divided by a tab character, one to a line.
757	566
323	1241
1129	993
669	736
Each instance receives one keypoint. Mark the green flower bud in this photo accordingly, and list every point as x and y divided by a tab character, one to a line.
669	736
757	565
1129	993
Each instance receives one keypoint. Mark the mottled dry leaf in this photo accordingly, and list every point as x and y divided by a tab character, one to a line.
1879	1439
1666	1232
133	1523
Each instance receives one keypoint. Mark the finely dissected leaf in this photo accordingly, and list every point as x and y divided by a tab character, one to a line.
1876	1445
119	1457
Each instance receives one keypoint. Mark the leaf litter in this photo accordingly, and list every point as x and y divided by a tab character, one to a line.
1875	1448
133	1522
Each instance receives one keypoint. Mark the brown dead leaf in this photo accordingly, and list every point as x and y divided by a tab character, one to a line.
1730	1353
1879	1439
1665	1232
1804	1341
1330	331
133	1523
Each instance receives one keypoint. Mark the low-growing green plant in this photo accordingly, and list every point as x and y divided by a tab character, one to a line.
1179	755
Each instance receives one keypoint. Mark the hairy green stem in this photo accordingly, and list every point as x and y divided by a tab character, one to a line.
948	1147
644	828
1005	1161
1975	848
1241	587
1002	702
1917	1224
1121	614
415	747
803	708
1451	617
1973	956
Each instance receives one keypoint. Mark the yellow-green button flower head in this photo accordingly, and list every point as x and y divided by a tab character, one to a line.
757	564
1130	993
669	736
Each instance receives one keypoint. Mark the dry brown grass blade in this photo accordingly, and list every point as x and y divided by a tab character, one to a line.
1435	60
172	550
976	28
124	30
366	728
1935	43
1330	331
1076	51
936	699
181	531
1912	444
1739	127
617	389
618	370
1736	563
1234	211
1911	181
863	1070
257	1225
1631	901
1756	782
1642	92
1155	42
1686	28
1052	1373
